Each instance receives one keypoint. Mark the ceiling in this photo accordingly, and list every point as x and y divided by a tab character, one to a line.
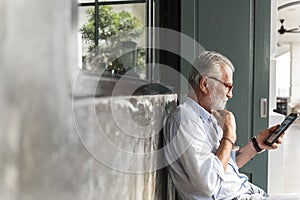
289	10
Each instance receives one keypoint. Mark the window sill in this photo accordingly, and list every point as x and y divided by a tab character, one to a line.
91	84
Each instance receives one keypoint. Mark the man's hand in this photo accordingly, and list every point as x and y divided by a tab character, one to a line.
226	121
247	152
262	136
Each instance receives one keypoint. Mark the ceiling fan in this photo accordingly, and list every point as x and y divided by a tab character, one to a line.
283	30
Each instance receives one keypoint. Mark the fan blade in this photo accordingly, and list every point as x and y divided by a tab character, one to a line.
293	30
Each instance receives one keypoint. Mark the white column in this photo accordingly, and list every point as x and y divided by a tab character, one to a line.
295	73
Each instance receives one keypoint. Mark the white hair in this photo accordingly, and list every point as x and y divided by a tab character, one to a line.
208	63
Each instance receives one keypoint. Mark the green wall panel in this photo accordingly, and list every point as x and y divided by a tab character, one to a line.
239	29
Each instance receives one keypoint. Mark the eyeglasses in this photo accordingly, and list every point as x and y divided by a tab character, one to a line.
228	87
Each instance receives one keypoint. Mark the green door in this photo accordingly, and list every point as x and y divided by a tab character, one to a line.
239	29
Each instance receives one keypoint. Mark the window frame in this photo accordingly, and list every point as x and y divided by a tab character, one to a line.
149	23
161	13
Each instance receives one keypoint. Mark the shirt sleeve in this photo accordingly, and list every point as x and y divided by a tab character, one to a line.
203	168
233	155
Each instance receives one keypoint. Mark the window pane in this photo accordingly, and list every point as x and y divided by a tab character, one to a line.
121	36
83	44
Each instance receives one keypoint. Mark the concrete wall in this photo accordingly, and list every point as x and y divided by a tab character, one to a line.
52	147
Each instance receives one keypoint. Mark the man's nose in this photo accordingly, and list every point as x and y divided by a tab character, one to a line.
229	94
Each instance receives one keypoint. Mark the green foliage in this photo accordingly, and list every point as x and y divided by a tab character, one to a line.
141	61
123	26
114	29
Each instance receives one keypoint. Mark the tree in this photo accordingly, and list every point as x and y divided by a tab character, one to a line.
114	28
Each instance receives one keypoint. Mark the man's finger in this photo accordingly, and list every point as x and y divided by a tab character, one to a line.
273	128
280	139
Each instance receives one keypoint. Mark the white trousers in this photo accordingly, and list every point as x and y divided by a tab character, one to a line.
257	193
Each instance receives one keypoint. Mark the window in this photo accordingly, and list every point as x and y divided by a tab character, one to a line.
114	42
113	45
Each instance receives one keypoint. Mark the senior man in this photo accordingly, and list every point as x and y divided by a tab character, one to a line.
201	135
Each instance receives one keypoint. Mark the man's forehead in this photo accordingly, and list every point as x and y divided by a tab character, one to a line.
227	73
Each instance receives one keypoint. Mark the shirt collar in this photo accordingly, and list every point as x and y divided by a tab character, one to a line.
203	114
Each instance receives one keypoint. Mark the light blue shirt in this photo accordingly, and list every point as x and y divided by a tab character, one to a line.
192	137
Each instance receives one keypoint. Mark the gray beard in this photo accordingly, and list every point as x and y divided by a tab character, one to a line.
217	102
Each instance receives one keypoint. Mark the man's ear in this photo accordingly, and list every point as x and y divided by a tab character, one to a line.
203	85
